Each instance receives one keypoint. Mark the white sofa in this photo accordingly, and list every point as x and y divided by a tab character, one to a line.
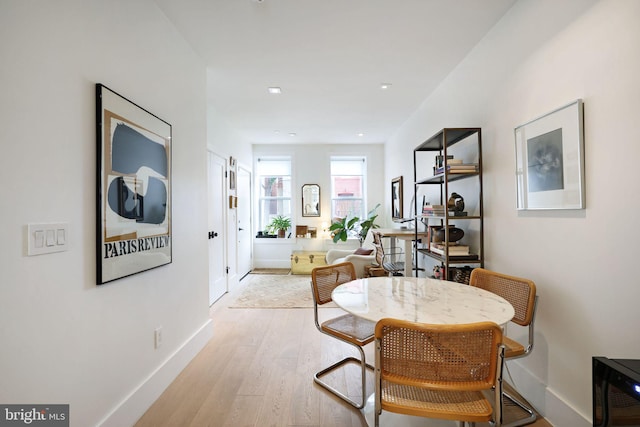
336	256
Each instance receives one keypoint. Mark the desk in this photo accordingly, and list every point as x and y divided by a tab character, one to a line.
422	300
407	236
418	300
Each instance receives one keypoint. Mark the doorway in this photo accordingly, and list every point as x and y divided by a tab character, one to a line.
245	247
217	195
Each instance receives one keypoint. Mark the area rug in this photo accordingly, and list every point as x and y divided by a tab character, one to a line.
270	271
275	291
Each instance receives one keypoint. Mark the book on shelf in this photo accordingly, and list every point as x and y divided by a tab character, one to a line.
461	168
466	258
453	247
433	209
440	160
454	250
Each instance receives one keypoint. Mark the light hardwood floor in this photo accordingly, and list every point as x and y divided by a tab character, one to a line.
257	370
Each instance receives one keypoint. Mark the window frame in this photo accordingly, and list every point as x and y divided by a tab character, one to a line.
262	221
363	185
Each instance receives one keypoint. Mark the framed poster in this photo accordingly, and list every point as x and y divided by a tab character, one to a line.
133	188
550	160
396	198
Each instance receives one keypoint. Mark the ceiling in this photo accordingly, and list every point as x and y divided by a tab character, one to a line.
330	58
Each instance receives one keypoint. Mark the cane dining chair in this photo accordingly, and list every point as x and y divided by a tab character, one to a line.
521	294
347	328
439	371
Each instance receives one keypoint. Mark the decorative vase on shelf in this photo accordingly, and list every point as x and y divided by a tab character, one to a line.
455	234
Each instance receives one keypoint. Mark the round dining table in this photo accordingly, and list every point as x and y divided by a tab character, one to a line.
421	300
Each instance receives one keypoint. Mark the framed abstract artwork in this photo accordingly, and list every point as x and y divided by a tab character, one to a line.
550	160
133	188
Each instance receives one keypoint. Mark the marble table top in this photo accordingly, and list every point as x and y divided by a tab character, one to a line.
421	300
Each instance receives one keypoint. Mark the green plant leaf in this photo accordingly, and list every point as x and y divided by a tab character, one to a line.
341	235
280	222
336	226
352	222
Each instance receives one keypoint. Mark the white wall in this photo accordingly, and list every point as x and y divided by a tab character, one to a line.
540	56
64	339
226	141
311	165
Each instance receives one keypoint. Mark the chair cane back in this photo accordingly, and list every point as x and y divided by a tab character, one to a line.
348	328
439	371
521	294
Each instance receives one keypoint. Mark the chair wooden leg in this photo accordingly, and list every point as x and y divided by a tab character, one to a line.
363	366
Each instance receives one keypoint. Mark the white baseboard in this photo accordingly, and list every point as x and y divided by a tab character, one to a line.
272	263
551	406
561	414
139	400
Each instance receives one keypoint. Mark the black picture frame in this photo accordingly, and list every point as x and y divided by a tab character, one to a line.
396	198
133	224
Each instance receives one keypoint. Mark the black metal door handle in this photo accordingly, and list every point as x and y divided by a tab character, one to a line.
212	234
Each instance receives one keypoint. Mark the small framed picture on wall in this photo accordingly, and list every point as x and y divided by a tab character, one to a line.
396	198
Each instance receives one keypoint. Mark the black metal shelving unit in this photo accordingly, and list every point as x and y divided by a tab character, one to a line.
444	144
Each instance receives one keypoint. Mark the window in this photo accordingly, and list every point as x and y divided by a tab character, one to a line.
274	188
348	181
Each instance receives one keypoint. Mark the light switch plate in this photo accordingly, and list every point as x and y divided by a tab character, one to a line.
47	238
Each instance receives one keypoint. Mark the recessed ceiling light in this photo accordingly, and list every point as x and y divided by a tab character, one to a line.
292	134
361	134
385	86
274	89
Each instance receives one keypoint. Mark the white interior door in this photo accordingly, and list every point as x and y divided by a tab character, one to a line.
232	243
217	206
245	252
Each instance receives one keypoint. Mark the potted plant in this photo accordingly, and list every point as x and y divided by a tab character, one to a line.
280	224
346	226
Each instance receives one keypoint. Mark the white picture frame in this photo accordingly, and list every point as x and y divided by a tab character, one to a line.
550	160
